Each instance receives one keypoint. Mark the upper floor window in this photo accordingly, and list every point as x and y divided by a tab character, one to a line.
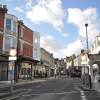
98	43
10	41
22	31
7	44
14	26
8	24
14	42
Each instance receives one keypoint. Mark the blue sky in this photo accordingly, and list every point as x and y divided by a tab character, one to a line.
59	22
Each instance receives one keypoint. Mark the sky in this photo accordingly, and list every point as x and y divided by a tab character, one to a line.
61	23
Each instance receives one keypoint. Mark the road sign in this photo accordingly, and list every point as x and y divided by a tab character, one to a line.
11	58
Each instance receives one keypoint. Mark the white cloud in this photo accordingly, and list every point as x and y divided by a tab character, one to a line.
51	45
29	4
65	34
19	9
79	17
73	48
48	11
9	0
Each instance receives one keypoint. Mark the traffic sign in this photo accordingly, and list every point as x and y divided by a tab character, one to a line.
11	58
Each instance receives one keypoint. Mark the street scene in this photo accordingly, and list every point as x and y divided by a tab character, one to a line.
49	50
61	88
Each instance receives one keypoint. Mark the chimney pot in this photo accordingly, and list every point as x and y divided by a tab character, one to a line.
5	6
0	5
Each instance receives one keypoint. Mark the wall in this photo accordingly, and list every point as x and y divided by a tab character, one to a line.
25	41
1	41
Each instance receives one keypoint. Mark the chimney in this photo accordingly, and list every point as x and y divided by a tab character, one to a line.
3	9
21	22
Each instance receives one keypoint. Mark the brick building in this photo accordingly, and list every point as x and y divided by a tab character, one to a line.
13	33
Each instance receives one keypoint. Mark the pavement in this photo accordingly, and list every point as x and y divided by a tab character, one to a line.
95	87
4	84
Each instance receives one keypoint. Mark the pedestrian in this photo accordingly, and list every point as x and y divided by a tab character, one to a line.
99	77
45	75
55	73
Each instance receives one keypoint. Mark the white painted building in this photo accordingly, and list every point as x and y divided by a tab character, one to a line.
95	48
77	61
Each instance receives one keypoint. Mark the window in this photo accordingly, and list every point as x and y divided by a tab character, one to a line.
14	27
14	42
98	43
10	41
7	42
8	24
21	47
22	31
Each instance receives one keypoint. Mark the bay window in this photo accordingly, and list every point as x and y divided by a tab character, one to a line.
8	24
10	41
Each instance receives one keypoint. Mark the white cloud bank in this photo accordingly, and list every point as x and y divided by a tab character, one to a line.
51	45
51	12
77	17
48	11
72	48
80	17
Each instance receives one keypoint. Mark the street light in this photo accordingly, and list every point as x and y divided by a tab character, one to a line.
86	25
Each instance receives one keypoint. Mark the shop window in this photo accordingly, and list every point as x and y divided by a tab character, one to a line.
29	71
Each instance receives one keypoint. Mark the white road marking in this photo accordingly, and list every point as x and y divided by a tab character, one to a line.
83	98
7	98
82	95
38	94
14	97
51	93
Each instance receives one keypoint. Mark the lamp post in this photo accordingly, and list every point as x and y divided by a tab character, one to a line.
12	58
86	25
88	69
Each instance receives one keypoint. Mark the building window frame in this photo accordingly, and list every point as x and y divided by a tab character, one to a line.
22	28
8	24
10	43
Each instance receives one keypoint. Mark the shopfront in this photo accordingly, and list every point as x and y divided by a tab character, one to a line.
3	68
25	71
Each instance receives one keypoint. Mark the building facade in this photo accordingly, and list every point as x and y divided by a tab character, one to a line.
95	48
8	39
25	52
13	33
47	63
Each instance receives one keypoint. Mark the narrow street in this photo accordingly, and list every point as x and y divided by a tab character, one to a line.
55	89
